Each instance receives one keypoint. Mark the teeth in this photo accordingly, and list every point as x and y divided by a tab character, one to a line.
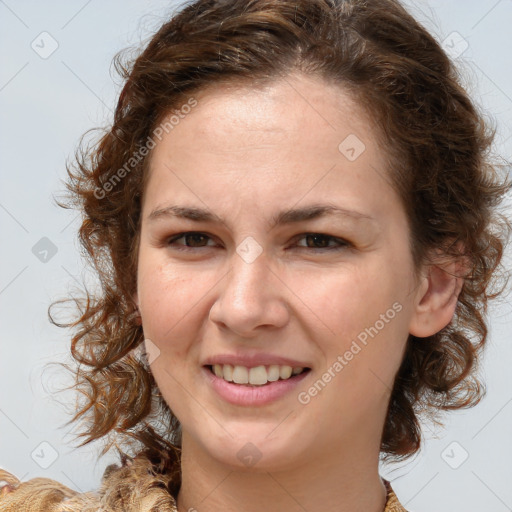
228	372
273	372
240	375
285	372
256	376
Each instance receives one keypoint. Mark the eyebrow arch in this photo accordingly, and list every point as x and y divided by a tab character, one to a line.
285	217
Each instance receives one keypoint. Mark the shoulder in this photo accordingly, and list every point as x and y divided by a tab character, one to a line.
392	503
131	486
37	494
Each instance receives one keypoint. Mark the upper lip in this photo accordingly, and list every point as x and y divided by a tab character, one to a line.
252	360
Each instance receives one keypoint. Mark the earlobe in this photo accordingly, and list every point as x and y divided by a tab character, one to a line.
436	300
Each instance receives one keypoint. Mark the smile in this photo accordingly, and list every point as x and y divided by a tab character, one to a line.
261	391
256	376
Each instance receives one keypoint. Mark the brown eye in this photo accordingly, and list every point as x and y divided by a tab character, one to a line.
192	240
320	241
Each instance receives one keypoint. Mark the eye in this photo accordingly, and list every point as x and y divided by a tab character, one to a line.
315	241
194	238
320	241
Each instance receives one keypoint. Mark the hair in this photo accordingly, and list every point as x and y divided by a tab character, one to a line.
440	162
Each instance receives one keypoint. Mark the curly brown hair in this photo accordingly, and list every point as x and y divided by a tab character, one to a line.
439	162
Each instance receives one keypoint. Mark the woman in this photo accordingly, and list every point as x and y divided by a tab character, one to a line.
295	225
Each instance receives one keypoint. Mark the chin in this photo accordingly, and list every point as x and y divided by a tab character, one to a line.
256	451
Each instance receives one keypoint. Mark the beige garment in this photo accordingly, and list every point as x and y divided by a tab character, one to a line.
131	487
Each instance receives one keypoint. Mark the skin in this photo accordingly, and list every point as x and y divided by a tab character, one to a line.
247	153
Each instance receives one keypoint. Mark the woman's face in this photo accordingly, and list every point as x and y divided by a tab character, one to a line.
299	257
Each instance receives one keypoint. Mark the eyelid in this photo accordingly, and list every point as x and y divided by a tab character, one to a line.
342	243
173	238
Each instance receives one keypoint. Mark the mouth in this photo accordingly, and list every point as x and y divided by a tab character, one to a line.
257	376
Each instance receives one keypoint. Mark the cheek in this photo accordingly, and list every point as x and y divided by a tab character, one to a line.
347	301
367	322
167	298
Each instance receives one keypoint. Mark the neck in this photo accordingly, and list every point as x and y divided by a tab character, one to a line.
345	481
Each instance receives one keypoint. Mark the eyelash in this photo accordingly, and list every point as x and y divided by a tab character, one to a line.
343	244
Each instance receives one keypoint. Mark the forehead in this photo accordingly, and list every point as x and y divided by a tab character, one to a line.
273	140
234	117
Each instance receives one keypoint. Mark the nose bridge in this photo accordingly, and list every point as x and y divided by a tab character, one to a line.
249	271
249	264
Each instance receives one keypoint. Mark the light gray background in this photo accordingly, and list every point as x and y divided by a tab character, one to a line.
47	103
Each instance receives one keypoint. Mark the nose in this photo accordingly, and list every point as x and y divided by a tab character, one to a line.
252	298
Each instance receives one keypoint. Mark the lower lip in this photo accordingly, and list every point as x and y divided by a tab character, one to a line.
241	394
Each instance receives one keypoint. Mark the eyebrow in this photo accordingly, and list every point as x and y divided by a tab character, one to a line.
285	217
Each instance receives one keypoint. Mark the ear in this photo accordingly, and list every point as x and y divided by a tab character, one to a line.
437	295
